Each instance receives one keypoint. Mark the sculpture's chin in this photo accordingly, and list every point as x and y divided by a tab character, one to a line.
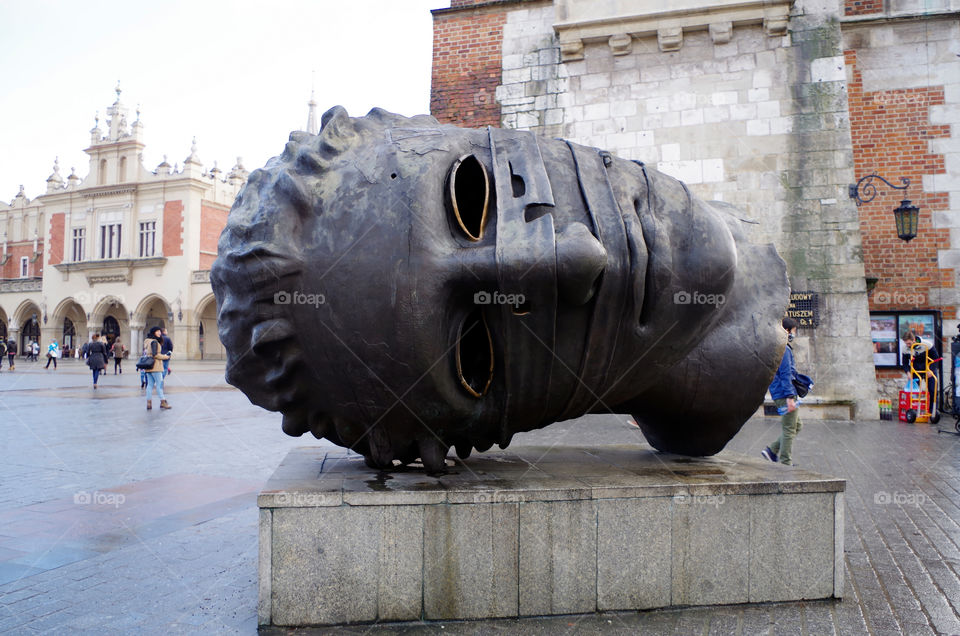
697	406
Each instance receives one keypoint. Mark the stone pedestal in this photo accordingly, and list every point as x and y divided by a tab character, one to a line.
538	531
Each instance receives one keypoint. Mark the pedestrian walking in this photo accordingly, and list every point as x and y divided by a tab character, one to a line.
167	345
35	350
12	353
96	357
118	351
143	372
3	351
153	346
784	394
53	352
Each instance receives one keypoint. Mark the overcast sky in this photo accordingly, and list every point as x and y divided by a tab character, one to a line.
237	75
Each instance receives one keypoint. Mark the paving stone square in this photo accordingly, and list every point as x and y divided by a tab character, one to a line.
119	520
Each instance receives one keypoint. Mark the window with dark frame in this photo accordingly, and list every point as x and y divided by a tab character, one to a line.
110	240
79	243
148	237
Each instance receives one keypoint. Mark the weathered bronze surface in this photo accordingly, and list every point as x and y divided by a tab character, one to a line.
399	287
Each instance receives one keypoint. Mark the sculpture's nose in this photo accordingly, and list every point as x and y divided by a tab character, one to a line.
580	261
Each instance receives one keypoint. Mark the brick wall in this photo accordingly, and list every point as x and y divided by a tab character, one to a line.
891	131
16	251
213	218
173	228
467	64
55	248
862	7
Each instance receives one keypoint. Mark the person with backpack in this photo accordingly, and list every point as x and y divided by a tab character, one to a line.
785	395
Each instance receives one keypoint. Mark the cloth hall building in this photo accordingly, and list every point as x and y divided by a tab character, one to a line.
118	251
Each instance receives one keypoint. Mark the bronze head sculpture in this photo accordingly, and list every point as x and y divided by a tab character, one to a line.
401	287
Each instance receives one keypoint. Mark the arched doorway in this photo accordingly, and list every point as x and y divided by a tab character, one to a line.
208	339
71	319
110	331
110	319
69	340
3	330
29	333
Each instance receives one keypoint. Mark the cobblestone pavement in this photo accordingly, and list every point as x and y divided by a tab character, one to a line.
116	520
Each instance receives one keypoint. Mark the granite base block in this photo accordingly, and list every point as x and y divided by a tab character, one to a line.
536	531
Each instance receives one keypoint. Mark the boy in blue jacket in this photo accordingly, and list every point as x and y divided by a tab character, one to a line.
784	395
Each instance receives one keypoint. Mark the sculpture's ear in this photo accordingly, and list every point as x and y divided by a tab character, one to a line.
337	131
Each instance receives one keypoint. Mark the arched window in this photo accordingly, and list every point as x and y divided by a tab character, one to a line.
102	175
122	173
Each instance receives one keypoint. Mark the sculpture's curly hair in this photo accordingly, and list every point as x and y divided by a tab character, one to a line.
259	256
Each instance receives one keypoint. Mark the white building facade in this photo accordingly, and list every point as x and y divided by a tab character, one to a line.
117	252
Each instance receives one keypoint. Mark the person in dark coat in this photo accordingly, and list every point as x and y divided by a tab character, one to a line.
167	346
12	352
96	357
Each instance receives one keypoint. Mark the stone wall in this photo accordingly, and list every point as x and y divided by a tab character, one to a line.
748	115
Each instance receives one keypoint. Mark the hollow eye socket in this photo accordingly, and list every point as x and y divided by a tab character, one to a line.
474	352
468	195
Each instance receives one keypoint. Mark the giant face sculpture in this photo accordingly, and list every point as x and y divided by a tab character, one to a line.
401	287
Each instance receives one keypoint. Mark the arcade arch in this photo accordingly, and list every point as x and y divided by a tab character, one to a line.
111	319
208	338
70	324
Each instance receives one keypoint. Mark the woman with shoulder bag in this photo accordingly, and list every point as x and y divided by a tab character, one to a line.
152	347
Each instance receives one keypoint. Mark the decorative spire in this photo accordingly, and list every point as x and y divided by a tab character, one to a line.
164	167
118	93
312	115
193	158
238	174
73	179
55	181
